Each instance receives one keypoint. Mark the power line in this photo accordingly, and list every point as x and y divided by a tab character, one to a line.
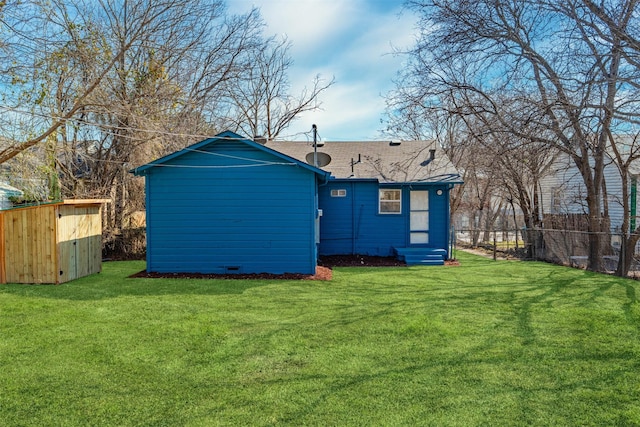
220	166
112	129
229	156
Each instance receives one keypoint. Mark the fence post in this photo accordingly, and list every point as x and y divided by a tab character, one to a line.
623	250
495	245
506	237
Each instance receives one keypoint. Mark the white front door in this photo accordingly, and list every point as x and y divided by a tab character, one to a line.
419	217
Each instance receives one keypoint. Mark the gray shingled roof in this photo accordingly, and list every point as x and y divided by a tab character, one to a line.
388	162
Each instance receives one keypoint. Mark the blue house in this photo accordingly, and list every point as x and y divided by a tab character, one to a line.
383	198
231	205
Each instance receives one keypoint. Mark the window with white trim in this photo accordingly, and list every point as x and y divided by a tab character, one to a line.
390	201
339	193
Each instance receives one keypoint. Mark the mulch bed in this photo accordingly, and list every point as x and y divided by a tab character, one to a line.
360	261
323	270
322	273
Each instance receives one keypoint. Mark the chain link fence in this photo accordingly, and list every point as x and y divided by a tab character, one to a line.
565	247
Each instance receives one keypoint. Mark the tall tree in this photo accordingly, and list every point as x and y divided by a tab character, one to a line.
106	85
49	28
261	103
147	94
565	67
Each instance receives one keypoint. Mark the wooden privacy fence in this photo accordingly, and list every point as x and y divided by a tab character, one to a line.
51	243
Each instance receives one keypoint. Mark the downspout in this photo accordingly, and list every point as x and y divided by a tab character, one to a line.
353	220
450	231
325	179
317	226
148	231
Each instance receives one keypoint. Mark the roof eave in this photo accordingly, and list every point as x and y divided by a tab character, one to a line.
141	170
455	180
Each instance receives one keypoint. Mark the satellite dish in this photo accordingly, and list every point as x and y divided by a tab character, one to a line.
323	159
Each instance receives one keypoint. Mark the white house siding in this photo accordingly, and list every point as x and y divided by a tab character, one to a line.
563	190
7	191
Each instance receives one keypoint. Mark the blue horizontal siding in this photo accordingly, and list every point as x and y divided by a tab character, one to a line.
336	226
204	220
169	206
217	182
194	262
257	248
439	221
227	230
352	224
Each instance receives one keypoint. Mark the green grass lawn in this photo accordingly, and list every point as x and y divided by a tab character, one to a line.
485	343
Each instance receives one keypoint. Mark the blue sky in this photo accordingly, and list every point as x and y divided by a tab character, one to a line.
350	40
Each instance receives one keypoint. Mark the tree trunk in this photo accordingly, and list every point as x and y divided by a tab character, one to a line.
119	202
627	252
595	258
476	228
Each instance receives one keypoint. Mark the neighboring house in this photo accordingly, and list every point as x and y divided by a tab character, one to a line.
562	191
231	205
7	191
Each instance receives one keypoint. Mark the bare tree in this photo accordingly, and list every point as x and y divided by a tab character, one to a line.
148	94
615	24
497	166
566	70
49	28
154	101
116	83
260	103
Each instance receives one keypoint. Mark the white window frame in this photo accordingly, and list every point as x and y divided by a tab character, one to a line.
419	211
339	192
382	200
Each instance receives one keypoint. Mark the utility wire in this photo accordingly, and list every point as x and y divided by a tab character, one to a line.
111	129
220	166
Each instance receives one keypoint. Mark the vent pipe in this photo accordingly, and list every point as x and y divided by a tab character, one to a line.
432	154
314	129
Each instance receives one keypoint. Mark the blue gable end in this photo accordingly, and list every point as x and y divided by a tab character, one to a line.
229	205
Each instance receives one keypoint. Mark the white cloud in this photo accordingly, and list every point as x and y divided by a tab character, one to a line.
349	112
351	40
308	24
